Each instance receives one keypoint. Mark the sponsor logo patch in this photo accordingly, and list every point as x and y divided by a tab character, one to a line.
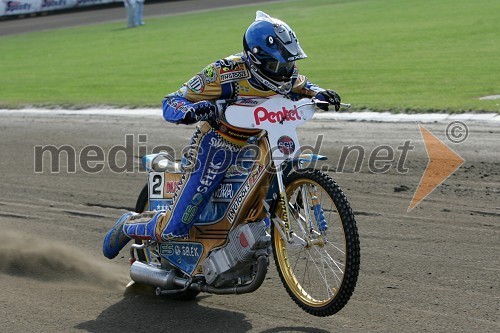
261	115
209	73
53	3
221	143
224	191
184	255
234	76
191	210
14	6
236	171
286	145
227	65
256	172
233	72
196	84
233	209
85	2
171	186
248	101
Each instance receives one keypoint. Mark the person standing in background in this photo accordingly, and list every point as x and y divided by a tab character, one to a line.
138	12
131	12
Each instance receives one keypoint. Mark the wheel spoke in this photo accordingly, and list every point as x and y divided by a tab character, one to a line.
298	258
323	276
336	247
326	259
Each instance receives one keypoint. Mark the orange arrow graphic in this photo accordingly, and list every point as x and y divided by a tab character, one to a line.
442	163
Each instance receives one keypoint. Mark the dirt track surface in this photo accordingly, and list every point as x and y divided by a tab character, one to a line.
435	269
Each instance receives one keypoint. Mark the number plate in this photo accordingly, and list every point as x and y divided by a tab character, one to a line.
156	185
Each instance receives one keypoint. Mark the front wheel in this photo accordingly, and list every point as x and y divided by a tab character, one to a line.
320	269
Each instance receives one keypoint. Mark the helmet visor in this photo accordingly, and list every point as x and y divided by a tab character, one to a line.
277	68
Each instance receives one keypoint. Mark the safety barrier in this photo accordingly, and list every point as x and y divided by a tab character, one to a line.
22	7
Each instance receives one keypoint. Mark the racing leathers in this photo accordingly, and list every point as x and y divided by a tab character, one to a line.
214	146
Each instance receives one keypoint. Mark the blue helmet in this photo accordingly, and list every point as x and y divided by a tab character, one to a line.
271	49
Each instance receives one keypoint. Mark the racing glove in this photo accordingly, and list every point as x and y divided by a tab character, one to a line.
331	97
200	111
207	111
212	113
179	110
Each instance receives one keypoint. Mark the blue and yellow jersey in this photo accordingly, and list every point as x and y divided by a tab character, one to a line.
227	78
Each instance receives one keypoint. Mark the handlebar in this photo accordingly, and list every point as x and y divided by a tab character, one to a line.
223	103
318	102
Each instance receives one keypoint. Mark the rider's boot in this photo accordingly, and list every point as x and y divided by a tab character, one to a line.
146	226
116	239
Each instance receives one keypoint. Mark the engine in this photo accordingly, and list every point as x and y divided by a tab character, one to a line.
234	263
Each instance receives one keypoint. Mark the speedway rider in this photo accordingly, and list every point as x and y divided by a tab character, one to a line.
265	68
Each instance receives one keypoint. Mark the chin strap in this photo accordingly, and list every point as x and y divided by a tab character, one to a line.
282	89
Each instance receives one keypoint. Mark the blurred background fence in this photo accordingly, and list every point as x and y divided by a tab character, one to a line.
23	7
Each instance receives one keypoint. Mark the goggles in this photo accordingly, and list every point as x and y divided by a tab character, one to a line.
274	66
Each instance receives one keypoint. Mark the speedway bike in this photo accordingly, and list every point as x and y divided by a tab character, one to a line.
271	205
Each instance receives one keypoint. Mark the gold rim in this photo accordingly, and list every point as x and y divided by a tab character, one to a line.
313	273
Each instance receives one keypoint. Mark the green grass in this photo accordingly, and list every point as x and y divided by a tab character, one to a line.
412	55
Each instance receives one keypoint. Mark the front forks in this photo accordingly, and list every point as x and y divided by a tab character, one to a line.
311	236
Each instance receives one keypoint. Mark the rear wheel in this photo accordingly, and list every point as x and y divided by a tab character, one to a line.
320	270
141	206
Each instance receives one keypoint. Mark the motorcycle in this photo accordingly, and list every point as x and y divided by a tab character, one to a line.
269	202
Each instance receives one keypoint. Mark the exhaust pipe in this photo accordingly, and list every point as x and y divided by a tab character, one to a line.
156	276
167	282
